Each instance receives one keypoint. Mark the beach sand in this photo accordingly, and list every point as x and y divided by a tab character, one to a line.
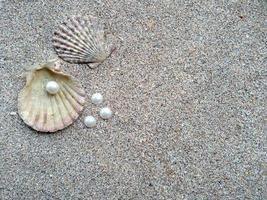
187	85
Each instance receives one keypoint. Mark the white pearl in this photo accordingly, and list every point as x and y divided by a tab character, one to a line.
97	98
52	87
105	113
90	121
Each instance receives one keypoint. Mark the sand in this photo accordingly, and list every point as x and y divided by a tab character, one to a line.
187	85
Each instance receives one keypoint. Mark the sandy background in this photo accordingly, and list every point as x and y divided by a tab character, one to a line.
188	88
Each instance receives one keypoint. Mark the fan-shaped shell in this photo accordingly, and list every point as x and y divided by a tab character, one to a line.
81	40
46	112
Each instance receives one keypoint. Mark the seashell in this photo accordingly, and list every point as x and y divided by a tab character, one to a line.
82	40
47	112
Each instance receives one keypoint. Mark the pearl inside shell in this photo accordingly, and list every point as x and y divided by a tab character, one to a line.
105	113
90	121
97	98
52	87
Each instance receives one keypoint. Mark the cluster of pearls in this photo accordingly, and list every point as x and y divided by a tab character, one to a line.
105	113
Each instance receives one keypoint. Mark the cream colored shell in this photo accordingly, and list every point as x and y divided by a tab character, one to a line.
46	112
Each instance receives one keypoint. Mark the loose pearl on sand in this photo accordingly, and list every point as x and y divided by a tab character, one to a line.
105	113
52	87
90	121
97	98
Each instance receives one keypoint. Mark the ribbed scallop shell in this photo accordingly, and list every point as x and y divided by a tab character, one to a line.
45	112
82	40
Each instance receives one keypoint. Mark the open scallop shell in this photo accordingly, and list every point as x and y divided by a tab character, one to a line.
82	40
46	112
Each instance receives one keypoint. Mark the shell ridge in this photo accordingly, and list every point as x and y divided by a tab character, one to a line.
65	44
71	110
53	128
70	36
29	114
74	40
75	95
45	117
76	101
69	107
70	52
79	33
25	115
79	90
82	30
72	100
71	56
36	117
60	49
67	119
92	45
61	122
24	97
68	45
39	123
42	124
89	33
64	28
91	39
63	40
33	115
